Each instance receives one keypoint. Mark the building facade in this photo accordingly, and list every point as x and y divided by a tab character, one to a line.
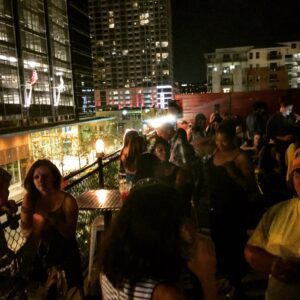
191	88
35	64
81	57
132	51
253	69
37	104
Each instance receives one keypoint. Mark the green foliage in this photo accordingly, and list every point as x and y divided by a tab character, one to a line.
111	175
83	232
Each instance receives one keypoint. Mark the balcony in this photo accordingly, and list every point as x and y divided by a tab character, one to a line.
274	56
226	81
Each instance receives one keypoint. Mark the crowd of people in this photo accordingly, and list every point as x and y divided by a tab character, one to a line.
241	167
155	247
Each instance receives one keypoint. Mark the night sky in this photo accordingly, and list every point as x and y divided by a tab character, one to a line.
200	26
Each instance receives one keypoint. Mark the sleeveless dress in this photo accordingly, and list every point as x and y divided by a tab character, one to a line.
227	218
56	250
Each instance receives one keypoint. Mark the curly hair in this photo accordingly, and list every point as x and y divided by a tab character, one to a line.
29	186
144	238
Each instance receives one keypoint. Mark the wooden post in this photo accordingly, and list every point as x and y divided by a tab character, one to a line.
100	172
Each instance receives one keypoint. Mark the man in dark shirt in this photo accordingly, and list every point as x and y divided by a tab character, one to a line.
280	125
280	132
255	122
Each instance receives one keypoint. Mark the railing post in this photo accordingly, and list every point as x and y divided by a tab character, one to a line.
100	171
100	154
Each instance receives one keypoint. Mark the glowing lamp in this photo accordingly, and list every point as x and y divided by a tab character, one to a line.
99	148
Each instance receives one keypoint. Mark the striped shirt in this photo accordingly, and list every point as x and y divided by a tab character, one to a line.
143	290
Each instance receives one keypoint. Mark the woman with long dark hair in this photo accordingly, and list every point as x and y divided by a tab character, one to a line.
151	251
48	221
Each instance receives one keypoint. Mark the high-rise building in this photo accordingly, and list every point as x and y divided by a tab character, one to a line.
132	52
253	69
35	66
81	57
37	107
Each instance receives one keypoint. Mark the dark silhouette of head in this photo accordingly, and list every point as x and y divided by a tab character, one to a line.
146	166
144	238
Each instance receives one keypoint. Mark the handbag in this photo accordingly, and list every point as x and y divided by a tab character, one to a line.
56	286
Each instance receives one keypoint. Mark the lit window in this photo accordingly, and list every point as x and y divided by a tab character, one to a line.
226	90
111	25
144	19
125	52
166	72
164	55
165	44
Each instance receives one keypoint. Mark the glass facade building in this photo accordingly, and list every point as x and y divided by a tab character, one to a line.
81	56
35	65
132	51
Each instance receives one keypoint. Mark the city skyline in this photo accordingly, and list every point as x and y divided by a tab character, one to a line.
202	26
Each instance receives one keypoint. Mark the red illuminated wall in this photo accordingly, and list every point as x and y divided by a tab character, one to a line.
238	103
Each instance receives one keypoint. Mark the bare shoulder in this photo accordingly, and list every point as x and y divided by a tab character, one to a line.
69	200
167	292
26	201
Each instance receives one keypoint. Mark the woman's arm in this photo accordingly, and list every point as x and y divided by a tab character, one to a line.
202	262
26	217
